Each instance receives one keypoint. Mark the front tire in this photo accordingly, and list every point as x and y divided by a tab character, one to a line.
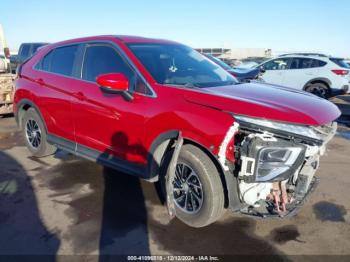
35	135
198	190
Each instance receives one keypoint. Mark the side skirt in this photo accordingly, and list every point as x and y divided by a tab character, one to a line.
102	158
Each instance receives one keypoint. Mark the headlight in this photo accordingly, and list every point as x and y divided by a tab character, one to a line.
297	130
273	162
270	160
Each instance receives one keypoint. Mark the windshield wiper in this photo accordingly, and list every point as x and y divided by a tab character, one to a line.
188	85
191	85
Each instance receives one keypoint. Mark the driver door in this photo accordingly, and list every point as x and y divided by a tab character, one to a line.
275	70
107	123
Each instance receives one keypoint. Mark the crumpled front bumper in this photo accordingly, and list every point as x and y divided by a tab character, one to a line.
292	209
304	183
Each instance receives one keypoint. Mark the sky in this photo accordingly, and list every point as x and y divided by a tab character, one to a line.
283	26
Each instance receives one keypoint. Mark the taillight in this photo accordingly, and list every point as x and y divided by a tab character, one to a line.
340	72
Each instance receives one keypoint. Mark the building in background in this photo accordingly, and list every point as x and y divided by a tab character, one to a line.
233	56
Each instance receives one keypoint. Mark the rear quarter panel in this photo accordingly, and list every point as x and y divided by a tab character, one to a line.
53	105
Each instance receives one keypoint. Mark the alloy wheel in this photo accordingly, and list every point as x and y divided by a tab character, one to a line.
319	91
188	191
33	133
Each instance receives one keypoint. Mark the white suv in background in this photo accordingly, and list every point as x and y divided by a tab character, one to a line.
315	73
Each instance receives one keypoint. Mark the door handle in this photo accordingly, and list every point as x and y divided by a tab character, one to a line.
40	81
80	96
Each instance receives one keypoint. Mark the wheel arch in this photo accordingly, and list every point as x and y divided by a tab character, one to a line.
163	143
322	80
22	106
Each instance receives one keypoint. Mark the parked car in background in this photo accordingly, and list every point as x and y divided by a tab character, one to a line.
248	65
26	50
13	62
242	74
3	67
252	60
319	74
163	112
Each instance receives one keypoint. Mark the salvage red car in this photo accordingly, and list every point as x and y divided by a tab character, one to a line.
161	111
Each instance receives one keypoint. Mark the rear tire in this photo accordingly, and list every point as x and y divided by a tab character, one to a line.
203	180
318	89
35	135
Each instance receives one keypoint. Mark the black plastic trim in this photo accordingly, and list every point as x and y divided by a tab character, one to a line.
102	158
153	167
19	107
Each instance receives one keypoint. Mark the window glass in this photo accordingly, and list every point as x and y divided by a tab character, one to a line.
340	62
24	52
175	64
102	59
46	62
277	64
318	63
218	62
62	60
301	63
304	63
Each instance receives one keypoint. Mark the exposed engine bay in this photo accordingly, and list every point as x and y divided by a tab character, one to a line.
275	172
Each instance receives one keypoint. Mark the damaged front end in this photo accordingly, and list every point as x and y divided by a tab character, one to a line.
275	164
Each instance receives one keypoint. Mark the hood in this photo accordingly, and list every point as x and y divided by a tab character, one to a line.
241	72
244	70
269	102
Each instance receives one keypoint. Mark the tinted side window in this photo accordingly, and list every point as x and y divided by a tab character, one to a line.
102	59
46	62
62	60
340	62
301	63
277	64
318	63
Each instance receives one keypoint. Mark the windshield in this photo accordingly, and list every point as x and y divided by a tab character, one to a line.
340	62
175	64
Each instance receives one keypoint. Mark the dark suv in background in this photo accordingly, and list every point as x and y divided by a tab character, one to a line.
26	50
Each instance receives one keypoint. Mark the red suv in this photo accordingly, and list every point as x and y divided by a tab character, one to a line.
161	111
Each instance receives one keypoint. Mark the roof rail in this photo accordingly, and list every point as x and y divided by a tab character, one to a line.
306	54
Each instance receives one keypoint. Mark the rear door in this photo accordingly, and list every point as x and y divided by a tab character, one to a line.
275	70
300	72
55	78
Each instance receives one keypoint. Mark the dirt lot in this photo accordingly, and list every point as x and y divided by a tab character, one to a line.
62	205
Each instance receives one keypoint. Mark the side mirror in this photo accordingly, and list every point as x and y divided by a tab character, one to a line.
114	83
262	69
